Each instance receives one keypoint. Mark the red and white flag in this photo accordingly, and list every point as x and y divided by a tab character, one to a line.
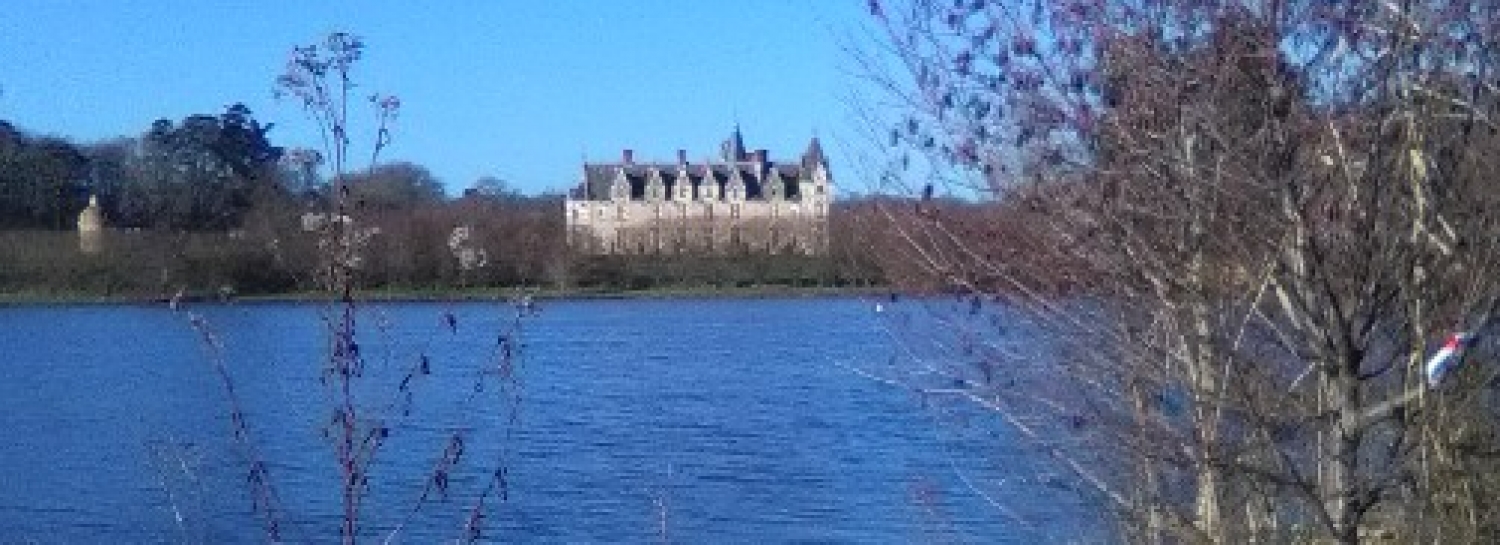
1446	358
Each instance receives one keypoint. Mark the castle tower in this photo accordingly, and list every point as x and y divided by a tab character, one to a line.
91	227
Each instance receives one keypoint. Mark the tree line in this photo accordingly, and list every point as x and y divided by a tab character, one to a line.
203	173
210	203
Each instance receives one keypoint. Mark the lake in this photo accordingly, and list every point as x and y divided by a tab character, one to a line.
624	421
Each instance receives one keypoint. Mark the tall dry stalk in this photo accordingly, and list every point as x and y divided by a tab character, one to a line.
360	420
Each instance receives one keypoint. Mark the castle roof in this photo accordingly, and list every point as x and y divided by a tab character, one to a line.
754	170
598	177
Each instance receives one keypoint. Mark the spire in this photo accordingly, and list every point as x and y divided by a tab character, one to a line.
734	148
814	154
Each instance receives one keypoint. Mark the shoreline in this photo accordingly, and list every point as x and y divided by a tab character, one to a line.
447	295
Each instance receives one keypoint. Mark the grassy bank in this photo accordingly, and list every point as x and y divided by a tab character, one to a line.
155	266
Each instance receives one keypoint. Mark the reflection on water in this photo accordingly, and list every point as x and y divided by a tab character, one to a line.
711	421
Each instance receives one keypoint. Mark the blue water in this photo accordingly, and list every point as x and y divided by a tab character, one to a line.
689	421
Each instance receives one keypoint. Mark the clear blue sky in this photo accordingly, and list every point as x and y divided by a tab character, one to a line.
518	89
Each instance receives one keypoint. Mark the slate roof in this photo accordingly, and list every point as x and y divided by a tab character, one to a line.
598	177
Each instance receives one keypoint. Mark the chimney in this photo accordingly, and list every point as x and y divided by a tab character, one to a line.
627	157
682	157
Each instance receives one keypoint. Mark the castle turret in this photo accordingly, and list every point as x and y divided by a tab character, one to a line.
814	155
734	148
91	227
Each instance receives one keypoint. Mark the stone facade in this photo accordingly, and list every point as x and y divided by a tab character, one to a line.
744	202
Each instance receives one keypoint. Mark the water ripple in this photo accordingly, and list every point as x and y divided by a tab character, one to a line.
737	421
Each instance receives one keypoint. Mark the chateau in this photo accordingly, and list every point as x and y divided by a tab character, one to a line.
743	202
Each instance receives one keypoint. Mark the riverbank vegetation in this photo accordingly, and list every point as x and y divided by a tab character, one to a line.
1276	212
408	251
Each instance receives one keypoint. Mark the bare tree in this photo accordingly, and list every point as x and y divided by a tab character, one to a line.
1265	212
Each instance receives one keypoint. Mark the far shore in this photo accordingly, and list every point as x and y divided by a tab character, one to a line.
418	295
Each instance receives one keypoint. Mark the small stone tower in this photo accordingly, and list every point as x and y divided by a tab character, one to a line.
91	227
